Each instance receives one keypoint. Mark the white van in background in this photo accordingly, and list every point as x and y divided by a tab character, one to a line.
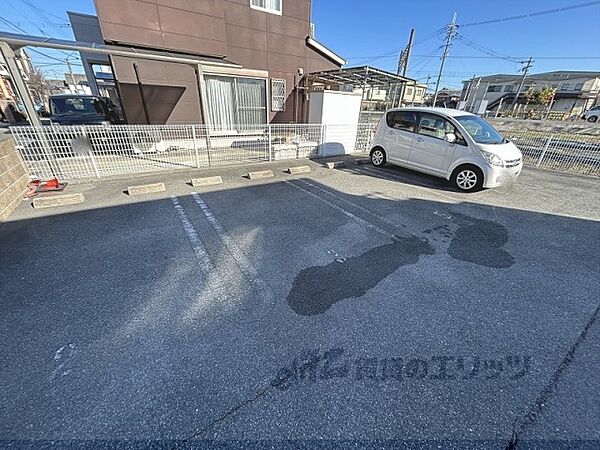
448	143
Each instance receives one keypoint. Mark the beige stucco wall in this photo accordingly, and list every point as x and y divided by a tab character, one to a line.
13	178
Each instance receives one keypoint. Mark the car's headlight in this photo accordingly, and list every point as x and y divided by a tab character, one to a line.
493	159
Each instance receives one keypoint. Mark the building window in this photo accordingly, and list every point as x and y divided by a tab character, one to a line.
494	88
277	95
270	6
579	86
409	91
509	88
235	103
565	87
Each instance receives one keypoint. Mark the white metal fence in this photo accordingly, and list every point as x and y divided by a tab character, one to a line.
566	152
88	151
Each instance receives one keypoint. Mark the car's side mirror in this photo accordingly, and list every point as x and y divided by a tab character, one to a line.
450	138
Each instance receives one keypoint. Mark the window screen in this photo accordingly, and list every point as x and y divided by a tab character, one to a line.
277	95
235	103
273	6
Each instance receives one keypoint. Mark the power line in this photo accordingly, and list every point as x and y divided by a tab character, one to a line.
393	53
519	57
533	14
45	15
15	27
482	49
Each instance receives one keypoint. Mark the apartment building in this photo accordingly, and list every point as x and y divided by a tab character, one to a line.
257	51
576	91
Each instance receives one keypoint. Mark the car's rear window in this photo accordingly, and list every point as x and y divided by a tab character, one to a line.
401	120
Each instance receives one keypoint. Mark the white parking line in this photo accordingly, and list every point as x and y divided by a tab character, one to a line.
345	212
206	264
243	262
355	205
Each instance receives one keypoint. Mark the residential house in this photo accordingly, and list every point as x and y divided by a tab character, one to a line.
446	98
414	94
251	56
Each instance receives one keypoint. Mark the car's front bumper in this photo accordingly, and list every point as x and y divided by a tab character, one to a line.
500	176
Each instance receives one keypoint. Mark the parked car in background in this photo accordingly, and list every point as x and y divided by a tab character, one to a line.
456	145
592	115
77	109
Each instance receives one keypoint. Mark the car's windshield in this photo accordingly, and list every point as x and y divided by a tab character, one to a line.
75	105
480	130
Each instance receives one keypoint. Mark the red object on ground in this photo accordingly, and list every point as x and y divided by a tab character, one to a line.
32	187
51	185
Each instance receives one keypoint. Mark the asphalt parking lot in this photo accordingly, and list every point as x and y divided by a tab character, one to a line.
355	307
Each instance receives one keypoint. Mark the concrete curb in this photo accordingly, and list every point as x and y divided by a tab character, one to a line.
335	165
260	174
207	181
361	161
146	189
298	170
58	200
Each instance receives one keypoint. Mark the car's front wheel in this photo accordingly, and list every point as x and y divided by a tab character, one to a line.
468	178
592	119
378	157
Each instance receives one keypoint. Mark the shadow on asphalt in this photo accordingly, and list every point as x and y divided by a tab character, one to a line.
109	328
403	175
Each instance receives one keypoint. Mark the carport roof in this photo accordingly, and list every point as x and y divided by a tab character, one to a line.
357	76
23	40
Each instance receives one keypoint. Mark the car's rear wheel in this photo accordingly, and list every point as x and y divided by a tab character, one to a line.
468	178
378	157
592	119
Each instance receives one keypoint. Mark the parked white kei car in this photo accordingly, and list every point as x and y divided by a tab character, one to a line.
448	143
592	114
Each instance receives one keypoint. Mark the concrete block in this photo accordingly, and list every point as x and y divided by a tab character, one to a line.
207	181
298	170
58	200
260	174
146	189
335	164
360	161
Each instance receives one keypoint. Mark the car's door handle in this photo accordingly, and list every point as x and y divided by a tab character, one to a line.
419	139
390	132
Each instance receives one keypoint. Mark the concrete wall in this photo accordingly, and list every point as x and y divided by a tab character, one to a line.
13	177
548	126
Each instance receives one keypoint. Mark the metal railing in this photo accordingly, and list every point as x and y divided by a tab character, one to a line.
95	151
566	152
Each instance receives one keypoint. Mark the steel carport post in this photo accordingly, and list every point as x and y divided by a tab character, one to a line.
13	69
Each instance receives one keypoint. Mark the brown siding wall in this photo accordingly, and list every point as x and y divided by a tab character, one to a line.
254	39
13	178
170	91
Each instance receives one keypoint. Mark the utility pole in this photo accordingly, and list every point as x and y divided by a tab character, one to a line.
525	69
475	94
71	73
407	52
403	59
449	35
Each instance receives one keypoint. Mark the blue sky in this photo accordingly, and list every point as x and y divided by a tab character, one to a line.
371	32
